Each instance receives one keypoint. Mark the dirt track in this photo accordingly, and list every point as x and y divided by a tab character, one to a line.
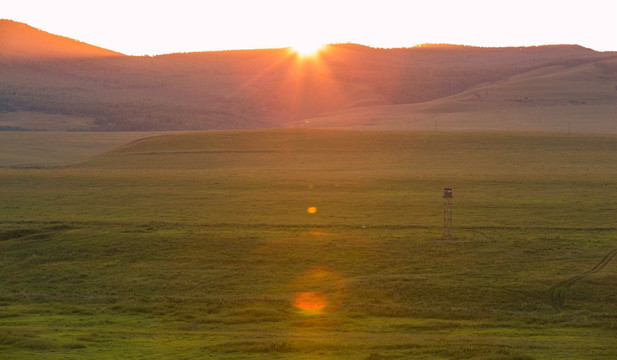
558	291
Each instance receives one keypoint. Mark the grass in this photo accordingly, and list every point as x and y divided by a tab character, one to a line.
574	98
201	246
20	149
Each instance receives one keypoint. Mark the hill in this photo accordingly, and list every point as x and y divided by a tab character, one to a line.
47	149
49	84
18	40
567	97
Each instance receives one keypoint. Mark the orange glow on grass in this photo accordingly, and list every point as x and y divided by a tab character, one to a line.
312	301
319	290
311	210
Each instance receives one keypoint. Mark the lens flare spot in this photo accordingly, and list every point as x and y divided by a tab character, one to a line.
313	301
311	210
319	290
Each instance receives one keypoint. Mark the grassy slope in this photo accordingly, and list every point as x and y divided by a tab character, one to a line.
49	149
576	98
198	245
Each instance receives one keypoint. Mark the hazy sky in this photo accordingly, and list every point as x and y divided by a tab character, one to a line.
156	27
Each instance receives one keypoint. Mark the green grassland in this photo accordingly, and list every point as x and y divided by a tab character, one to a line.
200	246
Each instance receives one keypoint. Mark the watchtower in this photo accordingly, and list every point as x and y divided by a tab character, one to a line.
447	213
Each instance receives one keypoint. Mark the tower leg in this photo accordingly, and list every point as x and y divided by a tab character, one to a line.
447	219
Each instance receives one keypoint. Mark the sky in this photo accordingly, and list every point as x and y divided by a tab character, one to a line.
136	27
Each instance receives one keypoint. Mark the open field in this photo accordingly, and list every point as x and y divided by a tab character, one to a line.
200	246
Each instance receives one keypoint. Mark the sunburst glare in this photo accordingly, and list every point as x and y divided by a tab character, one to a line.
308	48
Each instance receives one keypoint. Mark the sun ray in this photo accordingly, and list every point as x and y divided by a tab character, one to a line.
308	48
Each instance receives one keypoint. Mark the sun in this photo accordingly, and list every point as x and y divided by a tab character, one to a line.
308	48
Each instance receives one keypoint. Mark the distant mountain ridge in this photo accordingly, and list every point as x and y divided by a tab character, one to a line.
23	41
55	83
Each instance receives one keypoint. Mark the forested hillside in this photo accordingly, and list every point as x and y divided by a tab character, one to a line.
76	86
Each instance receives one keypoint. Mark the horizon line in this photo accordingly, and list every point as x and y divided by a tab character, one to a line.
402	47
